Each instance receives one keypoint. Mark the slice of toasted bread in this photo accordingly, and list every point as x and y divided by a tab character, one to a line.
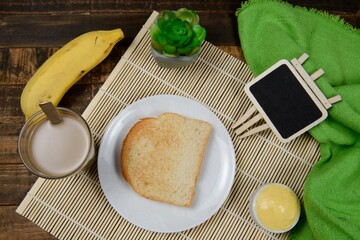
161	157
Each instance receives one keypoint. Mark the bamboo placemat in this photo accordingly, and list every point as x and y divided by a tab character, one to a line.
76	208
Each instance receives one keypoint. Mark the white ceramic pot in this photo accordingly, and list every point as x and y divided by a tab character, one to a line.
173	62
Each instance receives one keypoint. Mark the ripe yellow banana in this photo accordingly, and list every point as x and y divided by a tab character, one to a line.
65	67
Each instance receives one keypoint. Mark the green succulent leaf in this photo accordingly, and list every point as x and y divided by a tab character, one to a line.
167	15
202	36
197	30
194	50
187	15
154	30
160	38
169	49
200	32
184	50
194	42
156	46
189	34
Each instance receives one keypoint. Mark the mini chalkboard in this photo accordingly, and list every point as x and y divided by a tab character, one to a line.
287	99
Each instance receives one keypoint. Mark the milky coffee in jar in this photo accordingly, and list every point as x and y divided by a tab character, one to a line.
56	151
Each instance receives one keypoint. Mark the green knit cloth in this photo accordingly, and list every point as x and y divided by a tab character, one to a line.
274	30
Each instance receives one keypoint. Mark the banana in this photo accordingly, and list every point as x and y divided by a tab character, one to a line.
65	67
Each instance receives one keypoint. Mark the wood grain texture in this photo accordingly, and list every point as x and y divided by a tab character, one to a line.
15	180
14	226
112	6
56	30
31	31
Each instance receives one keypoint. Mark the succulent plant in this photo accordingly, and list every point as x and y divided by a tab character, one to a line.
177	33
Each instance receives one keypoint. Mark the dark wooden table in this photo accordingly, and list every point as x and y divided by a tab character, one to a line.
31	31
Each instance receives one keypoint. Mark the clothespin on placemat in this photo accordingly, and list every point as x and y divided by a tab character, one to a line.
287	98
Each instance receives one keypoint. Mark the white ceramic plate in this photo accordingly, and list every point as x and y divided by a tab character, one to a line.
214	182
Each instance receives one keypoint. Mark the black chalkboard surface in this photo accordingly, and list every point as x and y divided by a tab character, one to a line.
285	101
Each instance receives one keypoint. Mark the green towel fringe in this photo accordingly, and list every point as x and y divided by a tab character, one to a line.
334	18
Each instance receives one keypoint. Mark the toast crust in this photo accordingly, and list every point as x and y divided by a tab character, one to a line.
161	157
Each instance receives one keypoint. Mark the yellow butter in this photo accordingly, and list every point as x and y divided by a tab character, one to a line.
277	207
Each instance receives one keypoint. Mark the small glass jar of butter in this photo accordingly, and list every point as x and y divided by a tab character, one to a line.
275	207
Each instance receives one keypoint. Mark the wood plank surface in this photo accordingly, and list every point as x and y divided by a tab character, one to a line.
31	31
95	6
56	30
